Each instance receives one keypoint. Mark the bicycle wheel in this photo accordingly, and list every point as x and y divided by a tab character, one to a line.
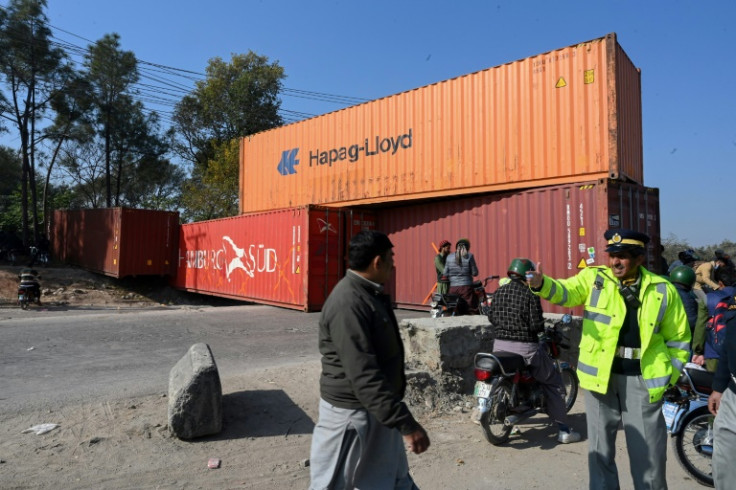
570	383
494	430
694	445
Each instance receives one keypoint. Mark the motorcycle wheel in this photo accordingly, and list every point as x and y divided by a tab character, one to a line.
494	430
570	383
24	305
694	445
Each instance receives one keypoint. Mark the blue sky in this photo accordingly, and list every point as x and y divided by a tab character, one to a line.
685	50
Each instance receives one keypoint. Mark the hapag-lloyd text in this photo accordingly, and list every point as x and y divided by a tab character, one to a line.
352	153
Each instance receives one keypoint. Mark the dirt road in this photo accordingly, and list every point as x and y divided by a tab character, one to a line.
112	440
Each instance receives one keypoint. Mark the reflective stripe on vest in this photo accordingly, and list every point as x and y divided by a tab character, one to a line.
553	291
597	317
661	289
678	345
595	295
587	369
677	364
654	383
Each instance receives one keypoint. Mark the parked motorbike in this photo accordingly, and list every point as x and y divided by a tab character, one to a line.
507	392
690	424
452	304
29	290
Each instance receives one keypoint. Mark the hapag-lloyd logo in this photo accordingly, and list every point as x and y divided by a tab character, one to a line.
350	153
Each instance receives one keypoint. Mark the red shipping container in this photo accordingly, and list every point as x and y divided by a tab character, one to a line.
288	257
560	226
117	242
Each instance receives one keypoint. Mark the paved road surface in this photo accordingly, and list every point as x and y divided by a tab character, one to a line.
59	355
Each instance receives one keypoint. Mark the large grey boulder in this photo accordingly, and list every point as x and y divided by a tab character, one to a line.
195	395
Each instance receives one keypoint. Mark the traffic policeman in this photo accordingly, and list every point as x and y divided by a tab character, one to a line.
635	341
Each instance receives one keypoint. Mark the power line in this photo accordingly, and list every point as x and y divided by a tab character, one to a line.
171	91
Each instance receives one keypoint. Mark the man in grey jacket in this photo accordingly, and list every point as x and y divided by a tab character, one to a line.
363	424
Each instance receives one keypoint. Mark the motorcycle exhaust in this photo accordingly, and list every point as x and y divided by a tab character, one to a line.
512	420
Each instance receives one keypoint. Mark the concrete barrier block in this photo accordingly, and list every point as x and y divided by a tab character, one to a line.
439	357
195	395
444	344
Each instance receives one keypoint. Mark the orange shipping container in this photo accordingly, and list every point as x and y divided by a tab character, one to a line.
117	242
561	117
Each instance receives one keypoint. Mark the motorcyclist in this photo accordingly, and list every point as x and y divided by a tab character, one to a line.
516	315
29	280
683	277
41	248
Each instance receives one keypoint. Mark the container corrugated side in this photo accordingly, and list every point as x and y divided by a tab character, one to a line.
289	257
117	242
560	226
569	115
148	242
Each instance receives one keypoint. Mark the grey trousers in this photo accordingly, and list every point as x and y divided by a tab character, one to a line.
627	401
351	449
724	442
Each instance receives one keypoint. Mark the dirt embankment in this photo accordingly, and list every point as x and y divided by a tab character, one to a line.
72	286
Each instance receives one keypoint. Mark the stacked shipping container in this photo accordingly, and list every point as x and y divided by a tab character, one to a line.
502	152
560	226
569	115
504	149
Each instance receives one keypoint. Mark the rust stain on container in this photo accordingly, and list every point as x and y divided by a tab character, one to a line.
288	257
117	242
560	226
565	116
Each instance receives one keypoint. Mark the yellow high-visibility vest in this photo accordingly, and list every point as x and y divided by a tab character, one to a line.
663	327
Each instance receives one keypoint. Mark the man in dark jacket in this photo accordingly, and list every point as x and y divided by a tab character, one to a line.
722	404
357	442
683	277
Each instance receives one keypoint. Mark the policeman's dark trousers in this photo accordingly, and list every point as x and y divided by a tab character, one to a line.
724	442
627	400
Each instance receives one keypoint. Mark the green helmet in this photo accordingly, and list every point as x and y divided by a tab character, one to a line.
520	266
684	275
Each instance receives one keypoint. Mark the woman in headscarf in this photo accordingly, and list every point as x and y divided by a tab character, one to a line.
460	271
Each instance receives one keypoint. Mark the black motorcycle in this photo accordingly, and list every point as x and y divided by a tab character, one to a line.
29	290
690	423
508	394
453	305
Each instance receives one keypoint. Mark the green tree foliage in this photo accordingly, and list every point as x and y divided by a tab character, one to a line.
33	71
213	193
112	153
10	172
111	72
236	99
